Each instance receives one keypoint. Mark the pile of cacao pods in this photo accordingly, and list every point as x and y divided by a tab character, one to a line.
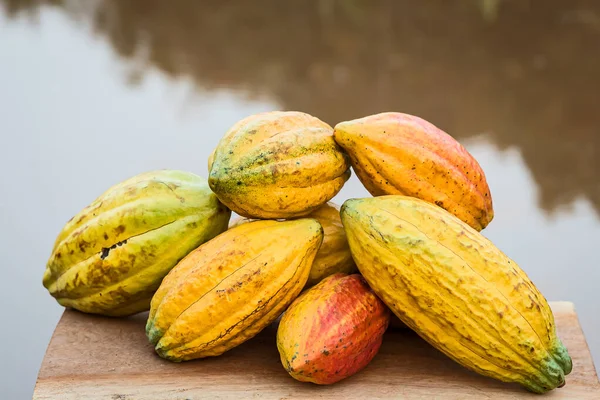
162	241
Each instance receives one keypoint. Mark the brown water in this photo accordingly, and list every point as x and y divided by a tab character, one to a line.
94	92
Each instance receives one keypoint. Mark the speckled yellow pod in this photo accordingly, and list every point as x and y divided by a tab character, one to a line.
110	258
334	254
453	287
277	165
229	289
395	153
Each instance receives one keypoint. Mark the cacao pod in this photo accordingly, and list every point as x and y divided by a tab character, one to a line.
394	153
452	286
229	289
334	255
111	257
277	165
332	331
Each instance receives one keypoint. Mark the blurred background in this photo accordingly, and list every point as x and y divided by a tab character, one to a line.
94	92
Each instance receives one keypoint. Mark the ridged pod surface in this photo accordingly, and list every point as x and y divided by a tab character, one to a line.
111	257
332	331
400	154
453	287
334	255
277	165
229	289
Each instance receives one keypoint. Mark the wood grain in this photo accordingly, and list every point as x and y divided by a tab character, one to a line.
103	358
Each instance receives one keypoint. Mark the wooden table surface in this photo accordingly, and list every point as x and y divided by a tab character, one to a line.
93	357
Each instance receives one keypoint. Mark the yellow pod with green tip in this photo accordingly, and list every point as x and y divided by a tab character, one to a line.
457	290
279	164
229	289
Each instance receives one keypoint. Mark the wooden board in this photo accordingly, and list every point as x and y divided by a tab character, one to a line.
103	358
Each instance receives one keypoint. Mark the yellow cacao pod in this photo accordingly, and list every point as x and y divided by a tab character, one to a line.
452	286
394	153
277	165
334	255
111	257
229	289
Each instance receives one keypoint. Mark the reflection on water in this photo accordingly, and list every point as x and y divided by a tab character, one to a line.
514	80
525	72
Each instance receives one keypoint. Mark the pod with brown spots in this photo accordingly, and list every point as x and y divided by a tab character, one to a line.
277	165
458	291
334	255
111	257
395	153
226	291
332	331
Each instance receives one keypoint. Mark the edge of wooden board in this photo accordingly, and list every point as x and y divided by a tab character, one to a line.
569	307
177	385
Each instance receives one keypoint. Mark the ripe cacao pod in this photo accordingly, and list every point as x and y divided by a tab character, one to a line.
277	165
111	257
334	255
229	289
332	331
394	153
452	286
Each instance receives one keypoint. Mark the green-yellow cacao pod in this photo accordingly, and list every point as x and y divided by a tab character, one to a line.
111	257
277	165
